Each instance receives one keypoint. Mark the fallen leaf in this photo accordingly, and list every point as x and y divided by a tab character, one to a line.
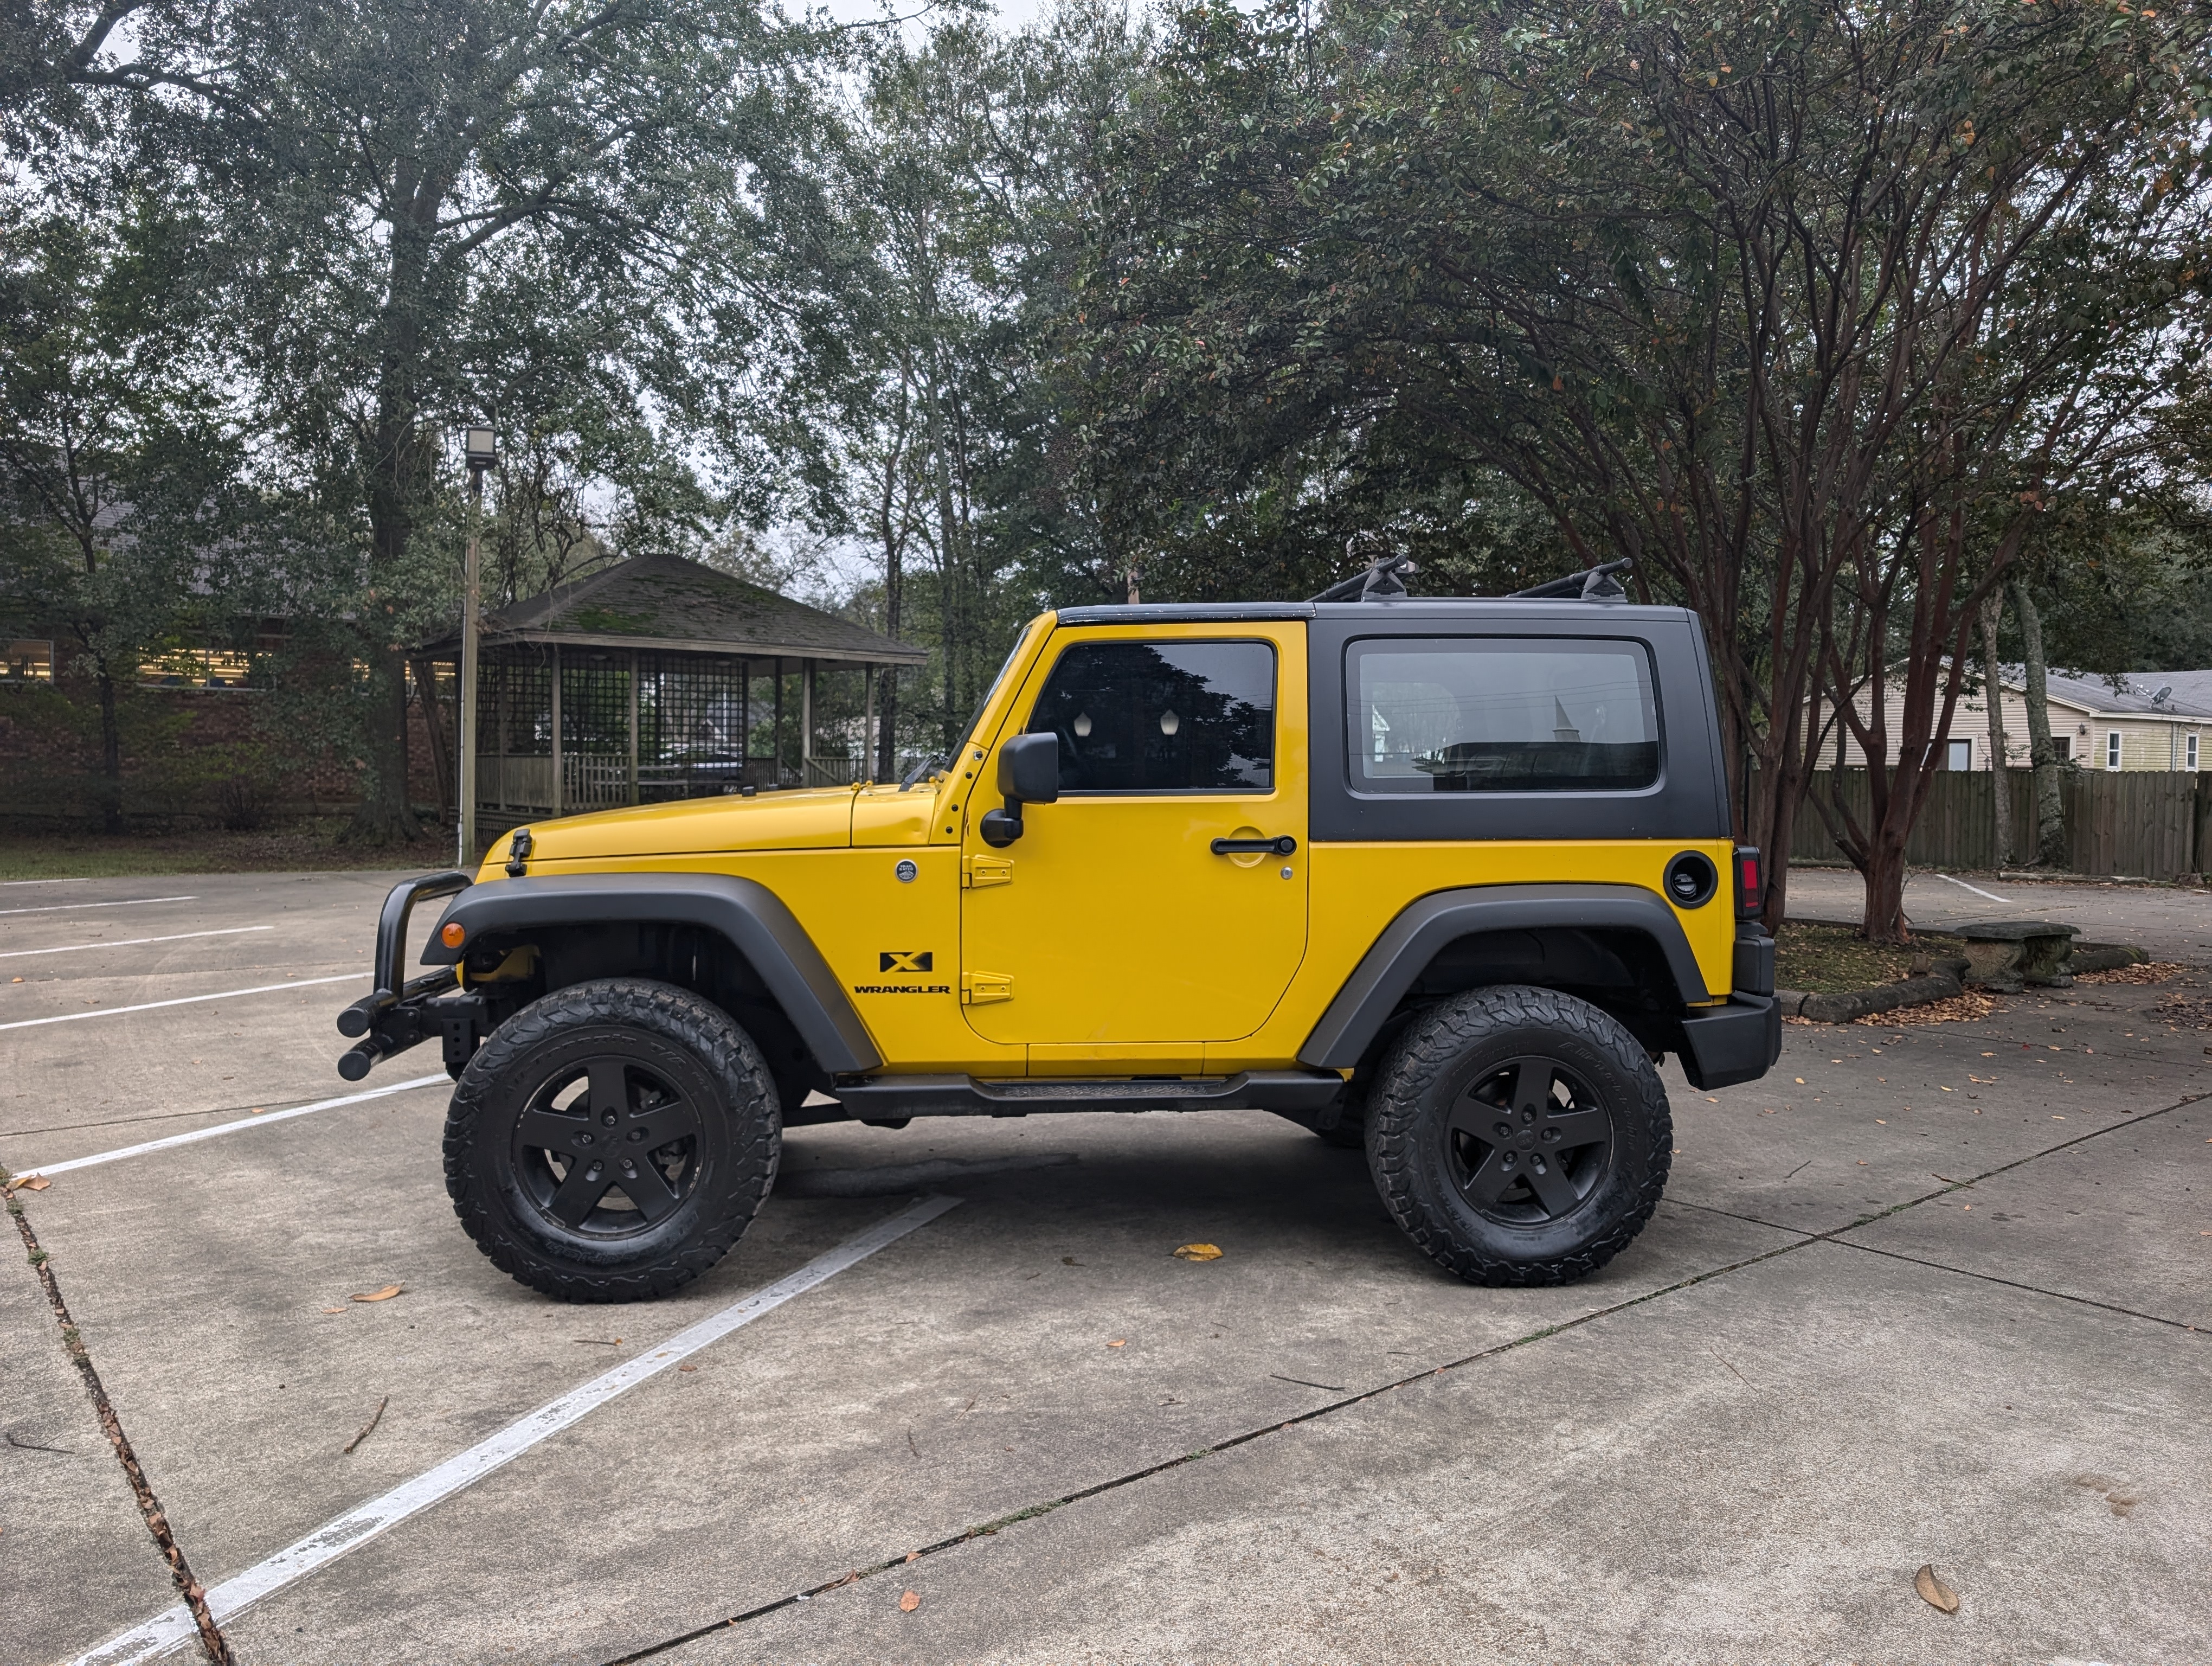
334	1310
1118	1343
37	1183
910	1601
687	1370
383	1295
1199	1252
1933	1591
914	1556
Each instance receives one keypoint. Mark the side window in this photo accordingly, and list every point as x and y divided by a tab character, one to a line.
1162	717
1502	714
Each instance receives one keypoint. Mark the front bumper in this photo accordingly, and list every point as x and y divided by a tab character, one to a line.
402	1012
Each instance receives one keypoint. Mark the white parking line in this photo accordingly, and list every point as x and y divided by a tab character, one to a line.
4	884
182	1000
356	1527
134	942
69	907
262	1121
1977	890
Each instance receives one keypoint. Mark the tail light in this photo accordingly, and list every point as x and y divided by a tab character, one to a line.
1747	882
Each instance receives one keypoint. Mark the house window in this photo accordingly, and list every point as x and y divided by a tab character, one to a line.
2189	753
1960	755
32	662
2111	749
2062	747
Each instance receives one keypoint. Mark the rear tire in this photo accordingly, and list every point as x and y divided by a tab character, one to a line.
612	1141
1519	1136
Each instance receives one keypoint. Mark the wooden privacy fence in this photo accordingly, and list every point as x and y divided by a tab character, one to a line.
2146	823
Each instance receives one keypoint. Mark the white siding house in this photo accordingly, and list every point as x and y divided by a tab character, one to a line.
2098	725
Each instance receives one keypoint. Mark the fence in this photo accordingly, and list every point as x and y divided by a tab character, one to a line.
2142	823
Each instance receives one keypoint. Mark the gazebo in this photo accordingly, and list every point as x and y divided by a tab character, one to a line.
660	678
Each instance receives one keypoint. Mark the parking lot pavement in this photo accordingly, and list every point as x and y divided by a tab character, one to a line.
106	1078
1816	1370
72	1539
2173	922
1751	1470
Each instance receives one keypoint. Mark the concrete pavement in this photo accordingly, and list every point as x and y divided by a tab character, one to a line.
1932	1303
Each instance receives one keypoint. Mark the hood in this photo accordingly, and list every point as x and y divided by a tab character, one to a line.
809	819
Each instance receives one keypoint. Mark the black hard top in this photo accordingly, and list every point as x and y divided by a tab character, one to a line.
1386	613
1688	801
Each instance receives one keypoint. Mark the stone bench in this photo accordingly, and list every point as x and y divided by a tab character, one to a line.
2008	954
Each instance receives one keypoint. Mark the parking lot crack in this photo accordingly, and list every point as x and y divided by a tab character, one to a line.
2015	1284
157	1521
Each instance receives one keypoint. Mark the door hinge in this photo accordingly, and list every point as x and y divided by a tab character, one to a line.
976	871
982	988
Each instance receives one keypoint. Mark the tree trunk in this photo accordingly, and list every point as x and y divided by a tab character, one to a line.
426	684
111	756
2050	803
1884	875
398	481
1993	692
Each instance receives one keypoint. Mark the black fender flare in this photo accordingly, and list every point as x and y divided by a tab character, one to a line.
1425	926
748	913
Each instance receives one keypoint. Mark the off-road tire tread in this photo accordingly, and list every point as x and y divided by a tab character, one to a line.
1427	1048
755	1141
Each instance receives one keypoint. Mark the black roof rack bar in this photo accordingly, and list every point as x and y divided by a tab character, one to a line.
1592	582
1385	577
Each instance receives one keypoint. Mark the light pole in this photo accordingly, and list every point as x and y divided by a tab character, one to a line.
480	446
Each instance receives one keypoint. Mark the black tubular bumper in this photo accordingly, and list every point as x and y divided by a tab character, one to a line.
1738	1043
401	1011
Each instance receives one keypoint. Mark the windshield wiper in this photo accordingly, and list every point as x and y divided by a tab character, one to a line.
934	761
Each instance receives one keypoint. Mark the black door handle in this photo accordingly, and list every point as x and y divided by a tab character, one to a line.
1281	846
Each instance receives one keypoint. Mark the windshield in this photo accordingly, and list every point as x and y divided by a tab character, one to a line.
1021	643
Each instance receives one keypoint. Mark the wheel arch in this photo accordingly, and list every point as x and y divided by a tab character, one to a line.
662	925
1576	938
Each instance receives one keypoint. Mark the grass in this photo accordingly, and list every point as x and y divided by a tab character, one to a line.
1829	960
311	846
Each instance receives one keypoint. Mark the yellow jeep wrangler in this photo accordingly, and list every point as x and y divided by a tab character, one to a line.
1444	878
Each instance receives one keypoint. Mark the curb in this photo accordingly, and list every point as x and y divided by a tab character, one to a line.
2105	957
1942	984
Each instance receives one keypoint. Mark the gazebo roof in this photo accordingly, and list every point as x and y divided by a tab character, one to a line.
666	603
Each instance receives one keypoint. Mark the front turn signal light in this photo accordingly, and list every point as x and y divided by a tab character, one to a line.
452	935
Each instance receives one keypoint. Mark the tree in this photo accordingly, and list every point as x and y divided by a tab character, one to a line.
111	439
567	219
1716	290
964	161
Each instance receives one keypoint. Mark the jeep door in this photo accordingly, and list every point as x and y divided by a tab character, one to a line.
1118	920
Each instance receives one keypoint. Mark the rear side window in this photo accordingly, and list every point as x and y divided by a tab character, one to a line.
1163	717
1502	714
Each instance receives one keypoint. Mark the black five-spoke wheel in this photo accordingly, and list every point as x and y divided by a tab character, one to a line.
607	1147
1529	1142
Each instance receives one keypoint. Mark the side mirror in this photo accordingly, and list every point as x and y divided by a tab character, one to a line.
1028	768
1028	773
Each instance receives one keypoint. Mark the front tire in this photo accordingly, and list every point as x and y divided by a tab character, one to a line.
612	1141
1519	1136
